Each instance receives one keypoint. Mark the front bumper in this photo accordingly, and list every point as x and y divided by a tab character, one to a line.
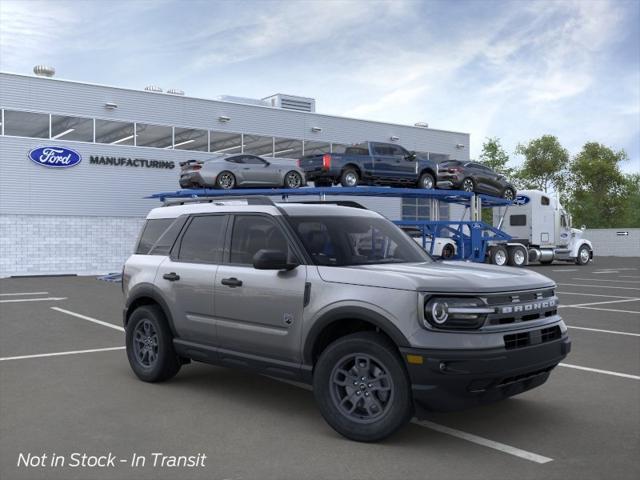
450	380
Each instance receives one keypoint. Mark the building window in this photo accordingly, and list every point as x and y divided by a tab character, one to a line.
191	139
316	148
26	124
227	143
287	148
157	136
115	133
419	209
258	145
71	128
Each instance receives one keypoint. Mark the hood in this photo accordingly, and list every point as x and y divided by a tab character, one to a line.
449	277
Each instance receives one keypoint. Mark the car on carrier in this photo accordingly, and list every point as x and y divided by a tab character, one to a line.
371	163
337	297
232	171
474	177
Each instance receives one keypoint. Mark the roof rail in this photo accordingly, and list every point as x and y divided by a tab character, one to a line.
218	200
340	203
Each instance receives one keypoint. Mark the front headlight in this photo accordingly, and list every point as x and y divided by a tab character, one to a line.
455	312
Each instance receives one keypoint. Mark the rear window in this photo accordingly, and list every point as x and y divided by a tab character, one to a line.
151	233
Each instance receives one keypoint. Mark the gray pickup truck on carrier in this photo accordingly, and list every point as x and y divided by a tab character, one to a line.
371	163
340	298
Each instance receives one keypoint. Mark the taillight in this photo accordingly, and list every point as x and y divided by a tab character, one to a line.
455	170
299	163
326	161
196	167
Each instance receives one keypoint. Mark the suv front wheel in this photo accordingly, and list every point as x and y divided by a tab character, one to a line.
150	345
362	388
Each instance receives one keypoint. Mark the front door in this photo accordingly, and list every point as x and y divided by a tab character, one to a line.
391	163
258	312
187	277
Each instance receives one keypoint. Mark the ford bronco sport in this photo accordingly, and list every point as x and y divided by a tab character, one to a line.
340	298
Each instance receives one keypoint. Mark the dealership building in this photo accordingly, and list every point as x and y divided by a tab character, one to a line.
127	144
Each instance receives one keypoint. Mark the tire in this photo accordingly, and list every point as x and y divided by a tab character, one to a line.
468	185
382	406
349	178
584	255
448	251
426	182
293	180
160	362
225	180
509	194
499	256
517	257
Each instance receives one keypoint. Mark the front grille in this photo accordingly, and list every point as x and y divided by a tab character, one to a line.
535	337
524	376
521	306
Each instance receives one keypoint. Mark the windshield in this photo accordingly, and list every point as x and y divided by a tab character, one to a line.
344	241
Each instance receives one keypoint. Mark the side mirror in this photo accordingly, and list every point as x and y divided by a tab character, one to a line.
272	260
583	227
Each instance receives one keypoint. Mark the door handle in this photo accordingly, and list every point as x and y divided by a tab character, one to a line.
231	282
172	277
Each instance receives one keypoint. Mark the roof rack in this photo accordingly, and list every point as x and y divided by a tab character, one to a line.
218	200
341	203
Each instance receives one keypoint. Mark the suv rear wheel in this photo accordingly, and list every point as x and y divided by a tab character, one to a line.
349	178
362	388
150	345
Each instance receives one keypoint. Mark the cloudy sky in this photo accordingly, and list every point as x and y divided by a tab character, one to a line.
511	69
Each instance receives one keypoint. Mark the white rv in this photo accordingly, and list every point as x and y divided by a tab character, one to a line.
541	231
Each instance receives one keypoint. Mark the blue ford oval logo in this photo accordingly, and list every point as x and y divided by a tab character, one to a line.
55	157
521	200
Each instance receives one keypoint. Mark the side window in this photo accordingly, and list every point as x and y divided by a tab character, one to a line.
168	238
518	220
238	159
250	159
397	151
544	201
252	233
563	221
203	240
151	233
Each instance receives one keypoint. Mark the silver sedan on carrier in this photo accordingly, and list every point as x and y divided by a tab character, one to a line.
244	170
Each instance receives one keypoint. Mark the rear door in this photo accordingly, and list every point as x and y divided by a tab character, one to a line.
187	277
259	312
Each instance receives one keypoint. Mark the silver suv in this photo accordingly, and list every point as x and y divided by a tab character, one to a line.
338	297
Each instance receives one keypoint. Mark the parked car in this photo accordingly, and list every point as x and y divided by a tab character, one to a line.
444	248
231	171
474	177
371	163
337	297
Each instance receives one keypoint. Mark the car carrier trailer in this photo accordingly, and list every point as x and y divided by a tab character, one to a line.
473	239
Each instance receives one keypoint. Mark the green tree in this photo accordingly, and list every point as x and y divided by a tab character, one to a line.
495	157
545	164
630	216
599	193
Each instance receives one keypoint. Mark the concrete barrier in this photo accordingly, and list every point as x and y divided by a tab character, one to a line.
614	242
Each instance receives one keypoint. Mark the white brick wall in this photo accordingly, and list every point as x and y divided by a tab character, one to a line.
607	242
43	244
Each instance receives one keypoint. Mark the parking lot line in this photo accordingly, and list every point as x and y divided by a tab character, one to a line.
631	299
597	370
591	295
533	457
470	437
566	270
23	293
609	310
88	319
57	354
598	286
635	282
47	299
605	331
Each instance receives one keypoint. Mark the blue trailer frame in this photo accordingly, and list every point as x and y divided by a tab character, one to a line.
472	237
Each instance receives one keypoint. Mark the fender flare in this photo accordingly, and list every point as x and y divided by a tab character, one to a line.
149	291
579	244
350	313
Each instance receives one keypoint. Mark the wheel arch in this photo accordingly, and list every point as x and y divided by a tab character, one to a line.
147	294
428	170
342	321
355	166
